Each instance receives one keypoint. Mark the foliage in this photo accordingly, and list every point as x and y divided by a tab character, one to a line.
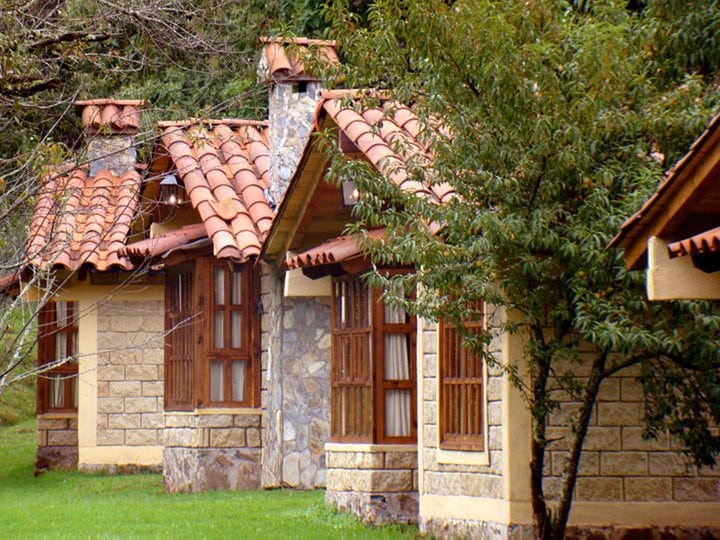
186	58
76	505
561	117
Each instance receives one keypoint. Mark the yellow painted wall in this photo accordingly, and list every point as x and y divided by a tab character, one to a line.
88	298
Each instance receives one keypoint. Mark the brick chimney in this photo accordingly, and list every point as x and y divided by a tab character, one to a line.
290	67
110	127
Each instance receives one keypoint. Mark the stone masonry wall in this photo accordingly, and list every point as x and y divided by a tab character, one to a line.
306	391
290	116
206	450
379	485
617	463
57	441
130	373
297	335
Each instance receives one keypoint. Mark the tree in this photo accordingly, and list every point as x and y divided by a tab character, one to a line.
560	117
186	58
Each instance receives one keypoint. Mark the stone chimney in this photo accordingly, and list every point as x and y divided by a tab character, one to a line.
290	66
110	127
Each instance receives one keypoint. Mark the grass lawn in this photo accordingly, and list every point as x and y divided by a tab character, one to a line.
72	505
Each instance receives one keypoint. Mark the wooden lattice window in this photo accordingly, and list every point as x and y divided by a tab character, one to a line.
180	322
232	331
212	348
373	377
58	347
461	372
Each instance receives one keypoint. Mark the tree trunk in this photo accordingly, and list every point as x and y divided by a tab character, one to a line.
569	478
539	410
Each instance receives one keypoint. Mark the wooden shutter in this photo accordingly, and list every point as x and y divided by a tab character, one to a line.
462	406
180	324
351	374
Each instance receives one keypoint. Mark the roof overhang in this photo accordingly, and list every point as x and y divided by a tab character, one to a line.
683	203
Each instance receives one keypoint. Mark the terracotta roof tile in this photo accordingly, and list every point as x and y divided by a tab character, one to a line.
389	135
10	284
335	250
286	57
672	181
81	220
700	244
224	168
163	243
110	115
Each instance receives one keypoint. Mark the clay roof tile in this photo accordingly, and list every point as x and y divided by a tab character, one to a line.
81	220
224	167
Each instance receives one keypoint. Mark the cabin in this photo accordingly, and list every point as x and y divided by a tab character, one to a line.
675	234
218	328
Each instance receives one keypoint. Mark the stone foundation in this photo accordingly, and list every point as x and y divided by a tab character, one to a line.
378	483
57	442
206	450
642	533
468	528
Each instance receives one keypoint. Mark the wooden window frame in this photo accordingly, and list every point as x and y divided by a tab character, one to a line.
48	331
370	380
469	388
249	336
201	327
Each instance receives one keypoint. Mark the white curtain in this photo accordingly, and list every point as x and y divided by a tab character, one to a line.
61	337
57	392
238	381
216	381
397	367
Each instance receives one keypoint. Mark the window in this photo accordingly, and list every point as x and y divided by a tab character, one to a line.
212	344
373	367
462	405
58	347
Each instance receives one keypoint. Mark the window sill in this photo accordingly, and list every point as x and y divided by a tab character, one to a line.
57	415
369	447
463	457
238	411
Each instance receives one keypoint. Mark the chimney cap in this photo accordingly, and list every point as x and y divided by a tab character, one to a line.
111	101
110	116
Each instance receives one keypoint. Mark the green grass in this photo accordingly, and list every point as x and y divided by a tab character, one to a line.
17	400
77	505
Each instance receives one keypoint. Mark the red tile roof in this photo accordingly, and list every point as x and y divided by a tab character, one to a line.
672	182
223	165
389	135
165	242
286	57
81	220
111	116
703	243
335	250
10	284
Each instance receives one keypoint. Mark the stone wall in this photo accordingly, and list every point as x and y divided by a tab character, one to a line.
130	373
617	463
205	450
291	115
297	334
379	483
57	441
441	476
